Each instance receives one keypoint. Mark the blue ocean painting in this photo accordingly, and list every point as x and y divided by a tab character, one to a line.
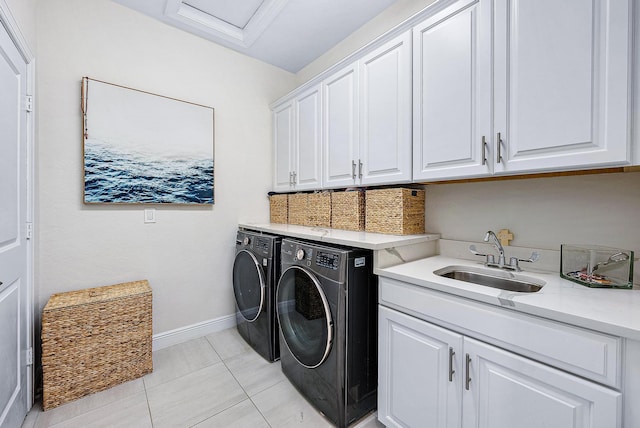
143	148
113	174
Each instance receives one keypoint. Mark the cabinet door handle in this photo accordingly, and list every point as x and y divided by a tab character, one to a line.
468	379
290	178
451	370
359	169
499	148
353	169
484	150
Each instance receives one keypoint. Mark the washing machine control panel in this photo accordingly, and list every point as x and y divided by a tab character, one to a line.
256	244
327	260
261	244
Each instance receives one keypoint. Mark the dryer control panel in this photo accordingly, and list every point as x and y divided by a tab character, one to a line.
327	260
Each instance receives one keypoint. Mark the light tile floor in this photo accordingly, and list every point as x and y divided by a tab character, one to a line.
213	381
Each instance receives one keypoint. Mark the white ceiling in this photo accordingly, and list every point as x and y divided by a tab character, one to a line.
286	33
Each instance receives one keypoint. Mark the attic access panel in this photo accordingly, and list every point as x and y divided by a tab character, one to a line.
239	22
234	12
143	148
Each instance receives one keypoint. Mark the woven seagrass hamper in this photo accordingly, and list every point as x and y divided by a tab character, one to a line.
298	208
279	208
319	209
94	339
348	210
395	211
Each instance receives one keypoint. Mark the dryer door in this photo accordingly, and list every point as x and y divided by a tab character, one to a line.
248	285
304	316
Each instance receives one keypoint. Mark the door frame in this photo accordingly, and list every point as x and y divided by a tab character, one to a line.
10	24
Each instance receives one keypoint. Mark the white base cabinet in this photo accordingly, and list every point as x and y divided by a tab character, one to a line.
418	374
433	377
504	390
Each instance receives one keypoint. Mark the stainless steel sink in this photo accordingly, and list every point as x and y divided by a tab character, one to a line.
492	278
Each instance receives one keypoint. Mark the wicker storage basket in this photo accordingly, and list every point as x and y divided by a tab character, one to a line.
395	211
279	208
298	208
319	209
94	339
348	210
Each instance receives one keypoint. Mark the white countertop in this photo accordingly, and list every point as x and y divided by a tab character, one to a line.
368	240
613	311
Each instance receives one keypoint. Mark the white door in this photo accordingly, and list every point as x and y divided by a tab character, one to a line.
340	134
420	373
283	135
561	84
505	390
14	276
385	113
308	166
452	92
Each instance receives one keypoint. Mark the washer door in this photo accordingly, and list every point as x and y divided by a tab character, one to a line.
248	285
304	316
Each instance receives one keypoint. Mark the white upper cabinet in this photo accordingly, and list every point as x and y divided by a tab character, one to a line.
544	84
478	87
307	173
452	92
297	142
341	132
367	118
385	111
283	135
561	83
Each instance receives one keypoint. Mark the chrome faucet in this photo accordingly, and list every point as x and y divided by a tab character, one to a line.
501	263
498	245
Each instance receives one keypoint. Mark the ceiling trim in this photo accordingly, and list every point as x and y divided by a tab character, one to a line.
177	10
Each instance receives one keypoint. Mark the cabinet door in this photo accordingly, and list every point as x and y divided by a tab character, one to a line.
283	146
561	83
308	139
452	92
506	391
414	384
341	133
385	113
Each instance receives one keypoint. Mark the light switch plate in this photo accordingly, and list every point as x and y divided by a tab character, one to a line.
150	215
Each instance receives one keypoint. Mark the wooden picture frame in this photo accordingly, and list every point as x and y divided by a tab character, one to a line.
143	148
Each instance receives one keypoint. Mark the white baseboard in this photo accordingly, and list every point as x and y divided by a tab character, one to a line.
193	331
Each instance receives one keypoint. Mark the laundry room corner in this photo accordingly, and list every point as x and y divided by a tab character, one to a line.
187	253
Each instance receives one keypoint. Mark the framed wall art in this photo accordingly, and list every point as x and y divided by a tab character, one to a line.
143	148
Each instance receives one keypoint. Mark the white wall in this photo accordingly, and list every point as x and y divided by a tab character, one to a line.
541	212
24	12
386	20
187	255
